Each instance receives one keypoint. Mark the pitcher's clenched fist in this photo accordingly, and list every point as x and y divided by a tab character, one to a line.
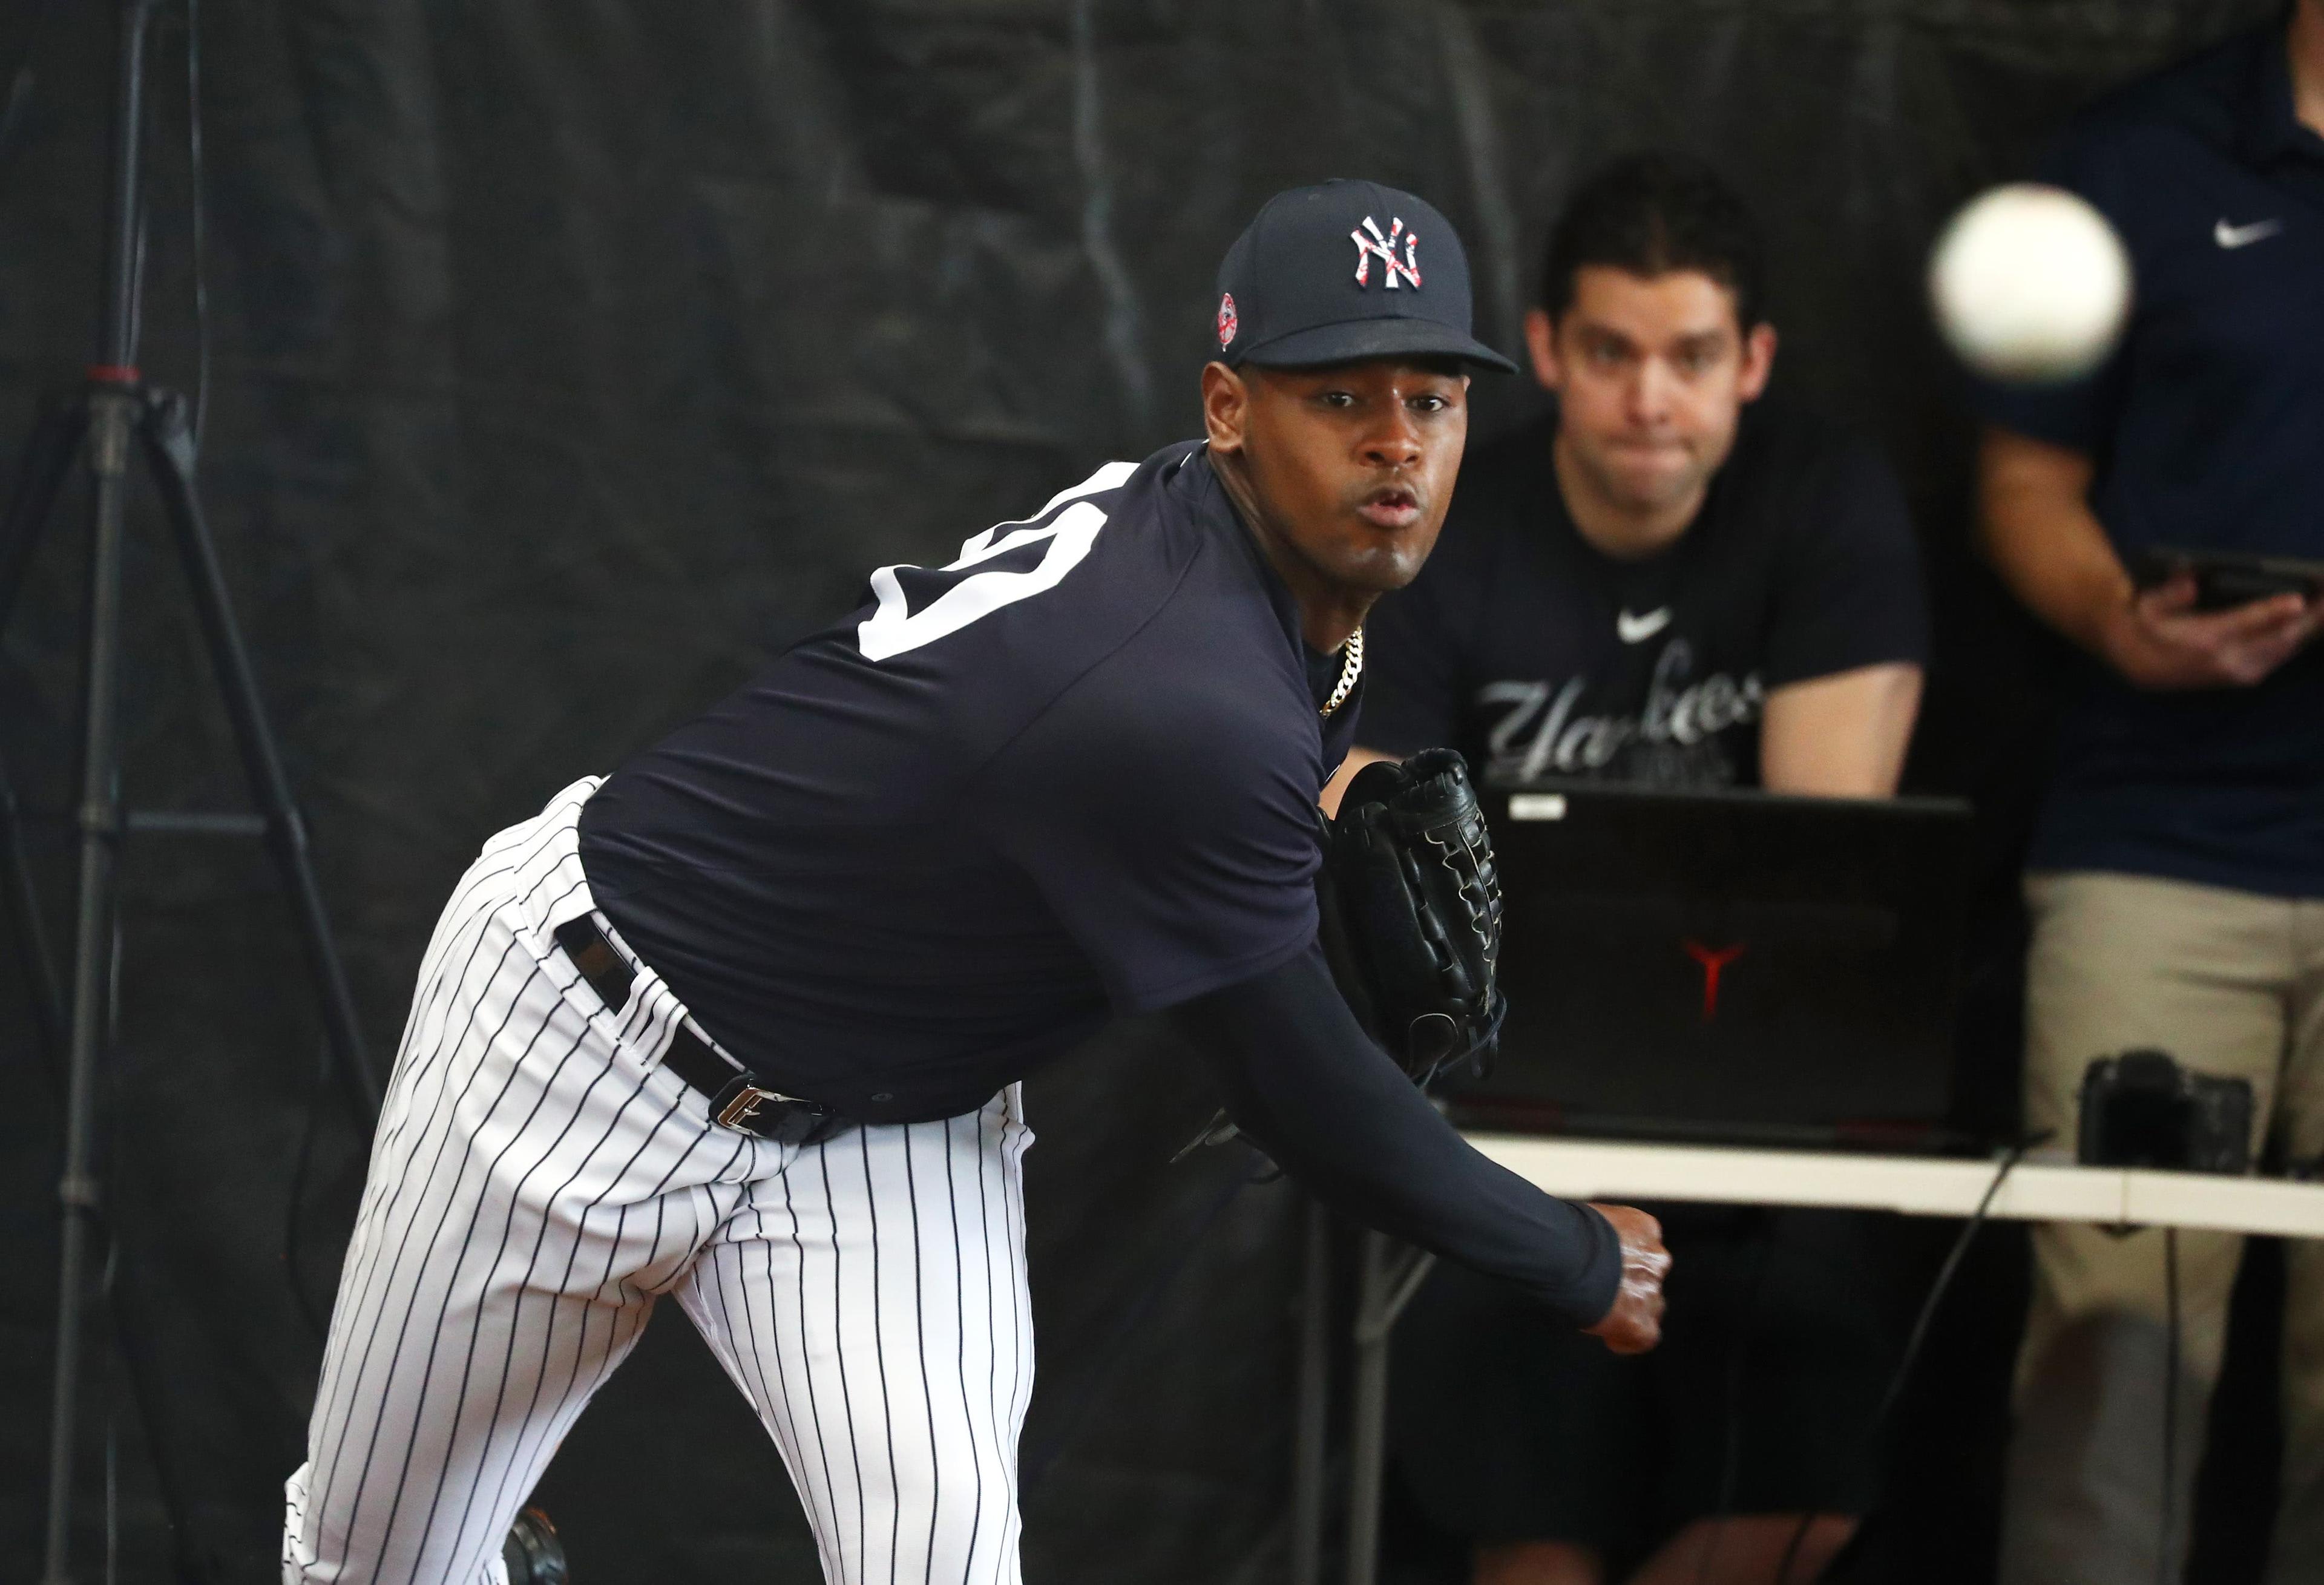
1634	1323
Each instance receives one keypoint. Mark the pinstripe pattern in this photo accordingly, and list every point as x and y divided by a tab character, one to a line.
536	1183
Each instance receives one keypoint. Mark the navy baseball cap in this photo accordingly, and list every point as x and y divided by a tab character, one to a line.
1344	271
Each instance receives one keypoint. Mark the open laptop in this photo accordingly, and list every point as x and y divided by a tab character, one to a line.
1737	966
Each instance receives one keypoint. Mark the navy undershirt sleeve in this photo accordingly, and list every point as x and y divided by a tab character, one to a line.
1301	1078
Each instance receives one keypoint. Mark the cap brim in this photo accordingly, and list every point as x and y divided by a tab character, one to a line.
1354	340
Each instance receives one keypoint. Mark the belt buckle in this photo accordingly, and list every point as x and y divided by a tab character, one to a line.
739	1111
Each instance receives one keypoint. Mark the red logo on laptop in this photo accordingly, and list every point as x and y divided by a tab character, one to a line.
1714	961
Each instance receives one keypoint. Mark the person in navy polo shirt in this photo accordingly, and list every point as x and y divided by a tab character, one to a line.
2176	876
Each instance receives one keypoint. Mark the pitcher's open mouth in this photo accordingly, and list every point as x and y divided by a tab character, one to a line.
1392	507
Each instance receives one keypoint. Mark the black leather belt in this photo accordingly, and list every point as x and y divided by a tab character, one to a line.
737	1099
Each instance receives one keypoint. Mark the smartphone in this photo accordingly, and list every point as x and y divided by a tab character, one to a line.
2228	578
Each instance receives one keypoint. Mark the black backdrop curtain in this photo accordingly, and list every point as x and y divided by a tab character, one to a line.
571	356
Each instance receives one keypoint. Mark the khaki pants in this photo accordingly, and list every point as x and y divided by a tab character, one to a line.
2231	983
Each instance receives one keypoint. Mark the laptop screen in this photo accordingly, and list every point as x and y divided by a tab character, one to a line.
1734	963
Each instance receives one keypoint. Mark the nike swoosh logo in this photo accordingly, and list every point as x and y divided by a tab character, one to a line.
2243	237
1638	630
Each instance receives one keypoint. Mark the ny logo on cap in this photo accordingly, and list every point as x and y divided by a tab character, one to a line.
1384	249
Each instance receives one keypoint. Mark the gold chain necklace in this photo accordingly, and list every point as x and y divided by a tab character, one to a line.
1350	670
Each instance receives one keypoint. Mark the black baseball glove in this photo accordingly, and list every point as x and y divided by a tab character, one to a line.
1411	908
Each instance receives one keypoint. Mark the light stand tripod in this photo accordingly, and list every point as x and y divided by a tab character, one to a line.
118	410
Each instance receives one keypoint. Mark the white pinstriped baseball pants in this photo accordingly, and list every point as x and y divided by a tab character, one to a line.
537	1182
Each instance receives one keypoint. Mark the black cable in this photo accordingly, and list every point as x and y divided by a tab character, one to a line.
112	1491
2164	1549
1919	1335
132	1350
121	1303
139	235
200	225
112	1427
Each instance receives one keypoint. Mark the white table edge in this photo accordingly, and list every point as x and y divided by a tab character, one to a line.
1916	1186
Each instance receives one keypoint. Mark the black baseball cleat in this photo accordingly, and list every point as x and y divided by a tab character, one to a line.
533	1553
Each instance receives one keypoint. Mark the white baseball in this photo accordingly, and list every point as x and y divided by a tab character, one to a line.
2029	284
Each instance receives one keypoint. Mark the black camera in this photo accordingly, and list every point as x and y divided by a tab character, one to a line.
532	1554
2141	1109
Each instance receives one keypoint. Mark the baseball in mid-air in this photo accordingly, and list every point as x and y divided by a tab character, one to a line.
2029	284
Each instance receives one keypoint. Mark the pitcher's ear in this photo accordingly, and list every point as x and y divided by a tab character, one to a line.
1226	405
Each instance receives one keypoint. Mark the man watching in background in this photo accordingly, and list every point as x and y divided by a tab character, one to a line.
1662	583
2176	875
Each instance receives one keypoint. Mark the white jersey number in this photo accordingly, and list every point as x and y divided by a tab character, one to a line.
895	628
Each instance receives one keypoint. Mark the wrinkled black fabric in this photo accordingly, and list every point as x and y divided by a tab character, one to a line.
570	360
1301	1078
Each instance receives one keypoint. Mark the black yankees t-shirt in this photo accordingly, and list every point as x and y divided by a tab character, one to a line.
1536	655
1075	772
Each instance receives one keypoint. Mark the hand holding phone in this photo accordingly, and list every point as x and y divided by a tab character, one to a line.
2213	619
2226	579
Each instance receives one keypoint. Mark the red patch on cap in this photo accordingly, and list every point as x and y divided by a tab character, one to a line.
1226	321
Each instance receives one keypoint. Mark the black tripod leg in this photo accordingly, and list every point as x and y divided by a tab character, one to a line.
49	453
114	414
32	935
169	446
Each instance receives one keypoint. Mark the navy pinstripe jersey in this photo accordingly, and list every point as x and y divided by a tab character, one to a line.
925	849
